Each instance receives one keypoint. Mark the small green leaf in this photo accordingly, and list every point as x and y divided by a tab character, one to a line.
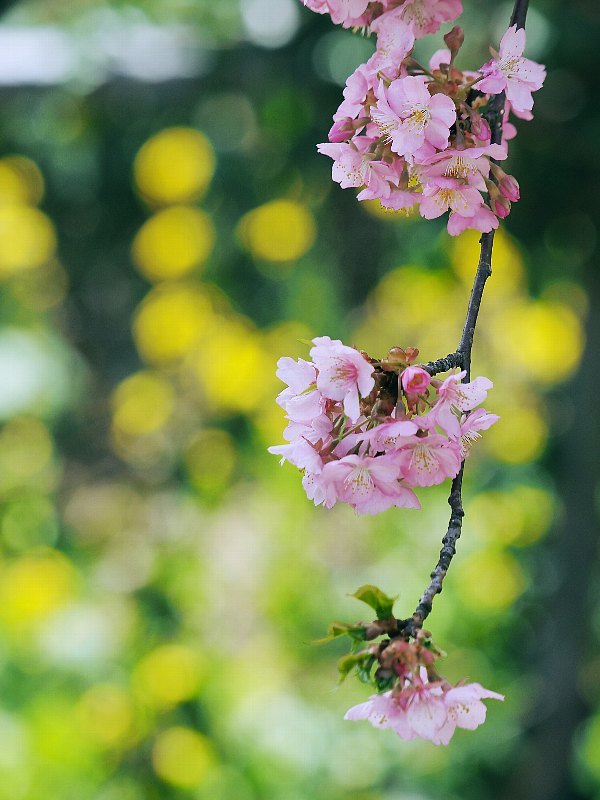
347	663
383	683
430	645
363	671
335	629
378	600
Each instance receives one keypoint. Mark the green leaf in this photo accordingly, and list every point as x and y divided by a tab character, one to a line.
363	671
429	644
335	629
378	600
347	663
382	684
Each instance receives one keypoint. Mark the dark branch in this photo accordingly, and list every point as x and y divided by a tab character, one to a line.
519	13
444	364
462	358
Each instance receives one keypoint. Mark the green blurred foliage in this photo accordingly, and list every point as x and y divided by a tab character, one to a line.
165	238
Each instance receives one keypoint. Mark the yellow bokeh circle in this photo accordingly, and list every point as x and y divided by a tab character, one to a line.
174	166
170	321
34	586
545	338
182	757
489	580
27	239
519	437
507	265
142	404
105	713
168	675
173	242
210	460
279	231
231	365
21	182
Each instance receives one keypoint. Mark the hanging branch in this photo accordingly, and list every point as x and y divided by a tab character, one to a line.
462	358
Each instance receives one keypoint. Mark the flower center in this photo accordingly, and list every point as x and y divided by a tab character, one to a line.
359	482
344	373
460	168
511	66
419	118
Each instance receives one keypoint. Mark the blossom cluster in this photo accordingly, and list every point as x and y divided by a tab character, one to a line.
421	704
367	432
412	136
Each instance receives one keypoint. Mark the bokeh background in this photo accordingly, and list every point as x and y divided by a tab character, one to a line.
167	232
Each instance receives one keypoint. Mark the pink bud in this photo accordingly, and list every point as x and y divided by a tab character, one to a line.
415	380
500	206
509	188
341	131
454	39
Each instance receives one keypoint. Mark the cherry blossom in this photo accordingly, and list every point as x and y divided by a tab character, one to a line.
426	710
369	485
428	460
410	117
483	220
340	10
415	380
342	373
357	444
454	396
395	40
471	424
464	705
512	73
426	16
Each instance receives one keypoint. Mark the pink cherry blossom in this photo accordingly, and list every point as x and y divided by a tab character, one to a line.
464	705
342	373
301	453
398	199
512	73
382	711
454	396
381	439
369	485
319	489
395	40
426	16
471	164
428	460
298	375
415	380
355	165
427	710
471	424
441	194
409	117
363	80
483	220
340	10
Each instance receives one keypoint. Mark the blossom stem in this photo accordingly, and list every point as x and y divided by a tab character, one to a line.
462	358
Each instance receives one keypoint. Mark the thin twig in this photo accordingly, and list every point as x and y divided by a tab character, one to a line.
462	358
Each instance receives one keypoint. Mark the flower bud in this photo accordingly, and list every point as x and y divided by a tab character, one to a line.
500	205
454	40
415	380
341	131
509	187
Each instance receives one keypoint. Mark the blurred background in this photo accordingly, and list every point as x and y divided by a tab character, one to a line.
167	232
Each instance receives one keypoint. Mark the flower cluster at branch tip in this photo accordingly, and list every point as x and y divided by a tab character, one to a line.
367	432
421	704
413	136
